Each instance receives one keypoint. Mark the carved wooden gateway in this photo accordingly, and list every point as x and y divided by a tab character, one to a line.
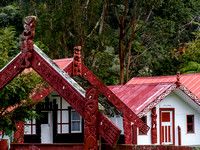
84	102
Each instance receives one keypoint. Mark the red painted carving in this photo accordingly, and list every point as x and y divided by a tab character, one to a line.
178	80
10	71
57	82
108	130
134	131
19	133
75	99
77	67
91	126
127	130
154	126
27	44
114	99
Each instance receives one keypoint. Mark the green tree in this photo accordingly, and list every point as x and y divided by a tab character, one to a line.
15	104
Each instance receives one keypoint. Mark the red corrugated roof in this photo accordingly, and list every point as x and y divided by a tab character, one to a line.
138	96
190	81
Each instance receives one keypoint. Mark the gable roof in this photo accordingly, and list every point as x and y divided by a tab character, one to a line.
138	96
141	94
190	81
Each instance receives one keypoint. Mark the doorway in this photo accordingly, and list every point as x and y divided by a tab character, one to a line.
167	134
47	127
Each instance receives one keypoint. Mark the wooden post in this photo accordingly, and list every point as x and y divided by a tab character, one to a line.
91	122
127	130
179	135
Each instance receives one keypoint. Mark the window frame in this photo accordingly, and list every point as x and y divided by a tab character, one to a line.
80	122
32	125
61	123
187	124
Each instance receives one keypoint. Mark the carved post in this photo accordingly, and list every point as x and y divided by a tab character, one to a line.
127	130
91	122
178	79
19	133
154	126
27	44
77	66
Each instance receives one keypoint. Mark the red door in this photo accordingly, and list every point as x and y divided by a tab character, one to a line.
166	126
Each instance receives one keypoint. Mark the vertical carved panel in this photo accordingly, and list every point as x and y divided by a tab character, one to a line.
27	44
91	126
127	130
77	66
19	133
154	126
108	130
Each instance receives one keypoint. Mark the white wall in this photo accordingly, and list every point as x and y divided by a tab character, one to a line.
145	139
181	110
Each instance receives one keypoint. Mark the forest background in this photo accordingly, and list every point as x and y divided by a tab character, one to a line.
120	39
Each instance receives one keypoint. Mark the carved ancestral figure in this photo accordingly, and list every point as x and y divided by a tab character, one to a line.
77	69
154	118
27	44
91	111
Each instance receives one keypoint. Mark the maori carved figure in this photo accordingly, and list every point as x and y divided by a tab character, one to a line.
154	126
91	112
127	130
77	66
178	80
27	44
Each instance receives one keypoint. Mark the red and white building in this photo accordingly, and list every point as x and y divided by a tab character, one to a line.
169	104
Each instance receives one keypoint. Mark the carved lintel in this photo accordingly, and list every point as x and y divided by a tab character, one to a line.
91	120
77	65
27	44
154	126
127	130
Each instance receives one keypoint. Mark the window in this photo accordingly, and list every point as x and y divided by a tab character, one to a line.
190	123
75	122
62	116
144	119
30	127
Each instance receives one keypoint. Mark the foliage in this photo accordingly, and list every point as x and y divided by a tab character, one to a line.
15	104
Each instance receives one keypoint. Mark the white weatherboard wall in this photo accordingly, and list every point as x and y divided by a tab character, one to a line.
145	139
182	108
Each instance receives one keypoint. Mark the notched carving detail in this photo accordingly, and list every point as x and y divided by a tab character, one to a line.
27	44
91	126
77	66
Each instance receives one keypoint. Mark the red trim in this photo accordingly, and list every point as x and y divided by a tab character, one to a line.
179	135
162	128
189	124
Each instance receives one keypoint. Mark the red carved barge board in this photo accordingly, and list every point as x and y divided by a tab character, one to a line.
11	70
62	83
114	99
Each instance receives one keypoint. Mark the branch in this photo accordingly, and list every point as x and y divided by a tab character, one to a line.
144	21
132	21
116	13
94	28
